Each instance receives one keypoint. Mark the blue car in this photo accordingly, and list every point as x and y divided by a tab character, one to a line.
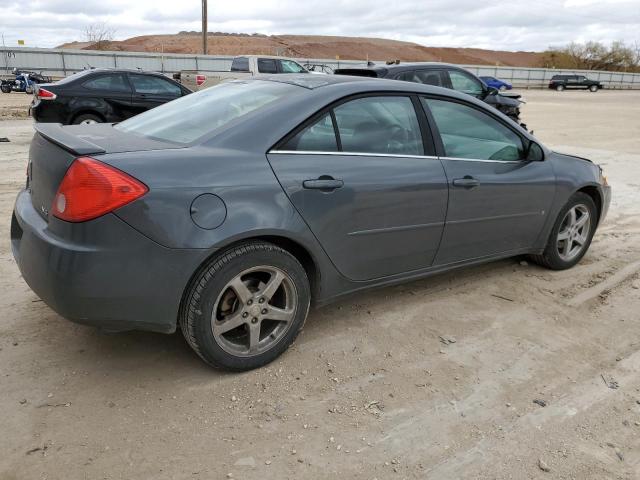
497	83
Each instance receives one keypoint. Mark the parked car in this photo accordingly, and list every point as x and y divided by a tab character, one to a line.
102	95
562	82
230	211
496	83
241	67
443	75
22	81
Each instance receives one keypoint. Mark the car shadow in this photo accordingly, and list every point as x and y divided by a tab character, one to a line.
146	353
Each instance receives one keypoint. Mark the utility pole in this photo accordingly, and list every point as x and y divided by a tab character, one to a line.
204	27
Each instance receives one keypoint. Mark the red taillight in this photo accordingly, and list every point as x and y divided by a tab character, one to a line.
200	79
91	188
44	94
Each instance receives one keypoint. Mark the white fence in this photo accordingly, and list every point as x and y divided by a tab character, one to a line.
63	62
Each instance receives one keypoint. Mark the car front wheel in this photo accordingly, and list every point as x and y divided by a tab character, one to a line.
560	88
246	306
571	234
593	88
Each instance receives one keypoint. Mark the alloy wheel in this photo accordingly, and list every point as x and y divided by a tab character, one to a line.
574	232
254	311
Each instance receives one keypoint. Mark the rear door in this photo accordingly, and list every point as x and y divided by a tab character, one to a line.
150	91
498	200
111	89
364	177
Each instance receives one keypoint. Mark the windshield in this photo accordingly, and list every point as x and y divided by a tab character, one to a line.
189	118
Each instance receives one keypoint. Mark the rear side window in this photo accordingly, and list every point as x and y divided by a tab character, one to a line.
469	133
240	64
317	137
386	125
194	116
154	85
427	77
267	65
113	83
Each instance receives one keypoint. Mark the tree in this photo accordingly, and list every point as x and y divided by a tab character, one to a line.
617	57
99	34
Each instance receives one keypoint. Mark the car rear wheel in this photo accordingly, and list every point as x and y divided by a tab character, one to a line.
593	88
86	119
246	306
560	88
571	235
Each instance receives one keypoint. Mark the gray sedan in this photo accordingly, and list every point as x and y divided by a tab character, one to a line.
230	211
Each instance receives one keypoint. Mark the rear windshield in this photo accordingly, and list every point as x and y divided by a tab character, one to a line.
190	118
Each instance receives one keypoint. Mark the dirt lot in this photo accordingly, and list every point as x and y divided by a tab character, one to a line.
433	379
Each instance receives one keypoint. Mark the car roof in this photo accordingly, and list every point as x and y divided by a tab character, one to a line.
351	84
119	70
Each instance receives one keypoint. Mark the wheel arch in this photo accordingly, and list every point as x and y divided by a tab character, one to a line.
86	111
294	247
595	194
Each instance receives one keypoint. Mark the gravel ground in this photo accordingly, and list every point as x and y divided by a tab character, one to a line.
502	371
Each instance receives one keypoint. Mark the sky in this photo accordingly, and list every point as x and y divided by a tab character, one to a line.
512	25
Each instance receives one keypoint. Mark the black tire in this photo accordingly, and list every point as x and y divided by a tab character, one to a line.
211	283
593	88
560	88
5	88
87	118
551	258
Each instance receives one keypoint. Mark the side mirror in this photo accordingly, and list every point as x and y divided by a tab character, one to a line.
534	152
492	91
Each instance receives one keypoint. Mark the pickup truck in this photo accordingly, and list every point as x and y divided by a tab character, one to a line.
241	67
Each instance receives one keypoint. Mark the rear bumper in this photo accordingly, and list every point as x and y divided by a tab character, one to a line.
103	272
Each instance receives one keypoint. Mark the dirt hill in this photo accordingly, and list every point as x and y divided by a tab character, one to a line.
314	46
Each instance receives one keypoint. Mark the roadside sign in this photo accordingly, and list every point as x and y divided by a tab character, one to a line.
20	42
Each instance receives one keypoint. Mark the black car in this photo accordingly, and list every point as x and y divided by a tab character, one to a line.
560	82
102	95
443	75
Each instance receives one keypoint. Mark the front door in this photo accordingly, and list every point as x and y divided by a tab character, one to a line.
150	91
498	200
361	177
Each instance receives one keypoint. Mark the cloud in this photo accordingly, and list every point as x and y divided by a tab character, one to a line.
516	25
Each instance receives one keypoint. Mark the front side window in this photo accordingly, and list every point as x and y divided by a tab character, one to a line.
317	137
469	133
194	116
113	83
289	66
154	85
463	82
267	65
387	125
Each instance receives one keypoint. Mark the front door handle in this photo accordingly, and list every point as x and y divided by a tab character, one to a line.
466	182
325	183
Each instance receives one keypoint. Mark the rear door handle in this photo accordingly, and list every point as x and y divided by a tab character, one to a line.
466	182
324	183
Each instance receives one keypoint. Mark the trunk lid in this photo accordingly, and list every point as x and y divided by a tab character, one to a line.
54	148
